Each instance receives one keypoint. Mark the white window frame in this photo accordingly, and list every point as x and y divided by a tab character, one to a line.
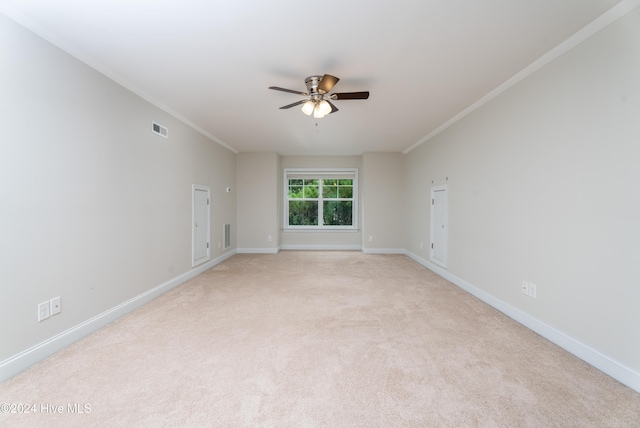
344	173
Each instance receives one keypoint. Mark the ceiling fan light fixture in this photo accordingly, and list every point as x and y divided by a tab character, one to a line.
317	113
324	107
308	107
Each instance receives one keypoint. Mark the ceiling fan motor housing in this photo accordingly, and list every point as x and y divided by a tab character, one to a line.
312	83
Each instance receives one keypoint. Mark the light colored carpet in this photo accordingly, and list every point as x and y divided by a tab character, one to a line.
319	339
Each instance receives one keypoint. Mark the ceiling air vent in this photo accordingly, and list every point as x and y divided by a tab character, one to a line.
156	128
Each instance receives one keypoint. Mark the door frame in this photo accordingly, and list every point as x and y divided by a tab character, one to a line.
200	188
432	227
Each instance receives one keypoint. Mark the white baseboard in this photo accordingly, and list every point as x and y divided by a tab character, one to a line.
25	359
258	250
383	250
621	373
321	247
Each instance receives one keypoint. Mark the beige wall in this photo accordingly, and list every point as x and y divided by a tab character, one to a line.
383	202
95	208
544	186
258	206
260	184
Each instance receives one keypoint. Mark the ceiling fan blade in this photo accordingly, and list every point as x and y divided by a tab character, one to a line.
293	104
327	83
350	95
333	107
291	91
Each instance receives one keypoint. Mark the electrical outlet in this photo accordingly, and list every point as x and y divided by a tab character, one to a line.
525	287
55	305
533	289
269	238
370	238
43	311
421	246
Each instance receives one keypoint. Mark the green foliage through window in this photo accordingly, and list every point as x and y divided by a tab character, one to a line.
299	189
337	213
334	197
303	213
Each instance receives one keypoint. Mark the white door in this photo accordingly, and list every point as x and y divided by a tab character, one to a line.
200	224
439	208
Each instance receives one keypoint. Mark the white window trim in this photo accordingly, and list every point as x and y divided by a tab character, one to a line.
350	172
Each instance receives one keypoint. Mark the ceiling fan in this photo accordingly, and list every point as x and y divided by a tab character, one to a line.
319	103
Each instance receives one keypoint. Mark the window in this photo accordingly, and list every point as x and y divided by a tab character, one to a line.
321	199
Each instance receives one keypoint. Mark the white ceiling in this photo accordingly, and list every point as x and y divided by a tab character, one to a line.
210	62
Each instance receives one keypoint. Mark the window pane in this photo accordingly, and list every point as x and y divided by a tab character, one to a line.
337	213
329	191
320	198
295	192
310	191
345	192
303	213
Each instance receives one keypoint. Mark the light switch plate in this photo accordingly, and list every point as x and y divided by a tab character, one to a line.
43	311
